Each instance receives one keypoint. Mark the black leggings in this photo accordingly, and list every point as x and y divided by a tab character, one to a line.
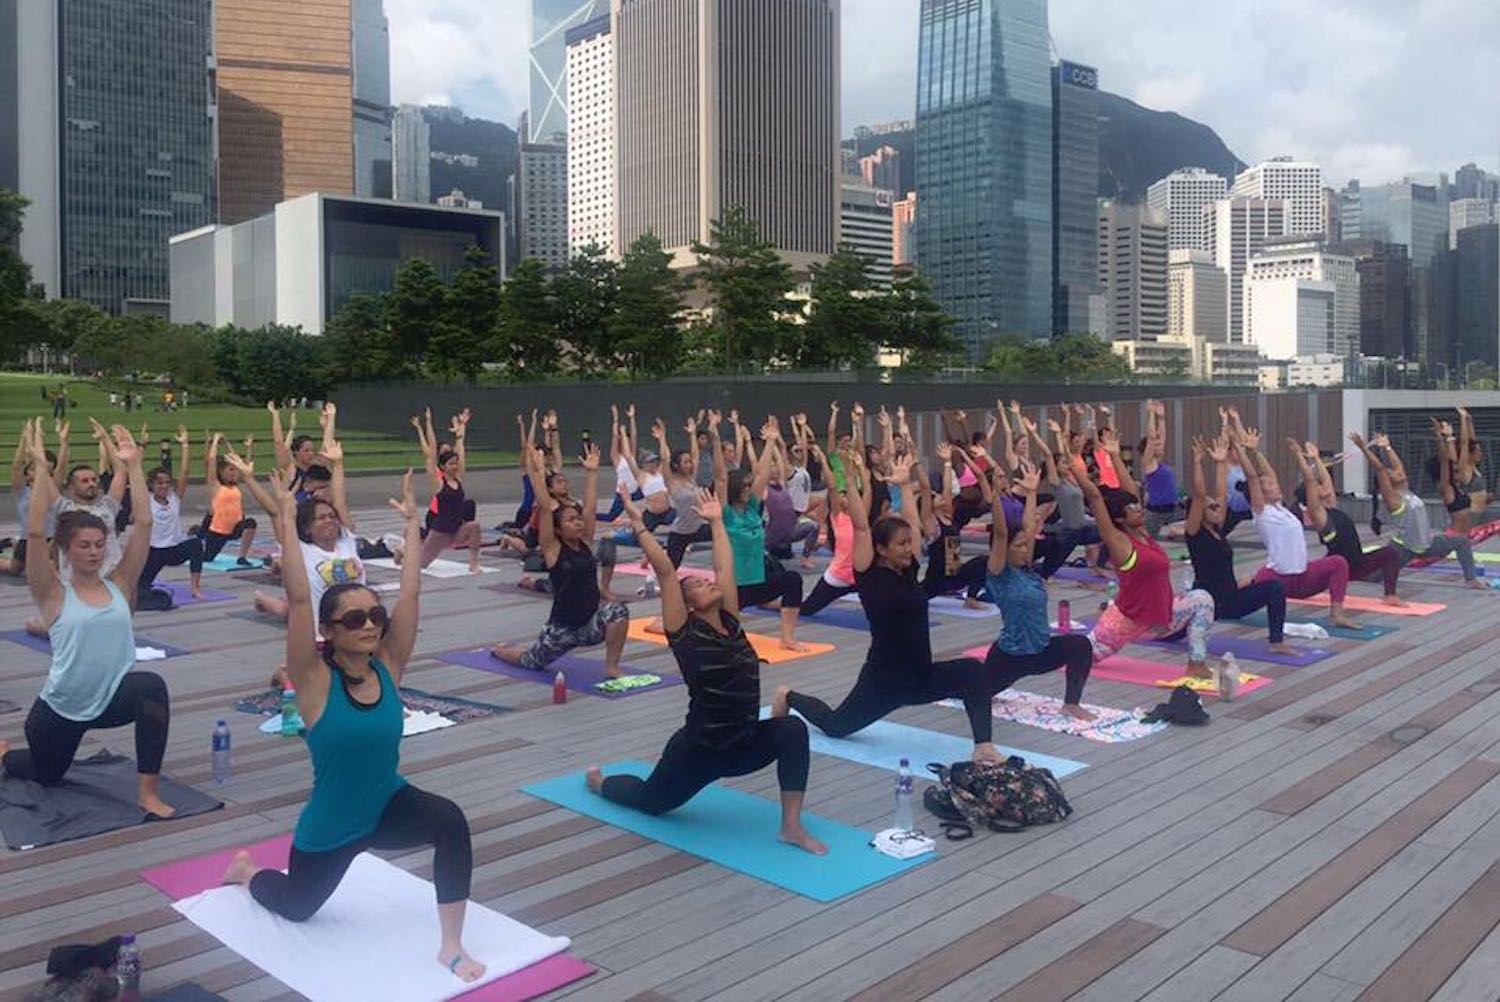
786	586
189	551
412	818
213	542
872	699
678	542
970	579
1072	652
1267	595
686	767
52	740
824	593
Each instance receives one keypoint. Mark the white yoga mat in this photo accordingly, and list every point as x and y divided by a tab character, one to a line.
415	722
439	568
945	605
375	940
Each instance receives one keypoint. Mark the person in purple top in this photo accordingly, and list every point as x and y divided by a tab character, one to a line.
1157	478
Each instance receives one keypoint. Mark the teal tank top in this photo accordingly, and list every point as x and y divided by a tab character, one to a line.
356	750
92	649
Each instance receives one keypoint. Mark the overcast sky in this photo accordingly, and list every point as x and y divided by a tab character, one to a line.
1369	88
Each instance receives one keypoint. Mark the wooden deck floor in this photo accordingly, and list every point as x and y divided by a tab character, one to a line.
1335	835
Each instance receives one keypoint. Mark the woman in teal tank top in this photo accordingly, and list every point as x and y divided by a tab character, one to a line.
349	699
90	684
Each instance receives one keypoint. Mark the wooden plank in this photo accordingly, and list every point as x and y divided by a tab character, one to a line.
544	912
1084	964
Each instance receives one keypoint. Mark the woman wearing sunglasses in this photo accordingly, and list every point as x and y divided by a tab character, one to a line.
723	734
1145	606
1213	555
348	697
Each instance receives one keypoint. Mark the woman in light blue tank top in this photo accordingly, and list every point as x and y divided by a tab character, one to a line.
90	684
349	699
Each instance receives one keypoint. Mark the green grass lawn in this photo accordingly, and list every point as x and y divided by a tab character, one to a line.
20	398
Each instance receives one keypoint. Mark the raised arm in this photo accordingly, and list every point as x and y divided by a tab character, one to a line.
999	539
278	438
1388	493
182	467
1030	480
401	638
590	461
1246	443
41	576
1109	441
1317	511
901	474
1008	437
271	504
673	606
833	427
211	459
857	429
1048	467
1199	498
338	494
986	489
837	501
1442	434
304	663
770	434
64	445
18	475
1121	547
1393	459
1465	453
859	513
138	543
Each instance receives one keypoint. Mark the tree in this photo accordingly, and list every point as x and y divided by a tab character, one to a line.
276	362
1020	357
20	328
1086	357
917	325
67	321
462	339
644	329
847	315
117	346
415	306
748	284
358	346
584	297
524	343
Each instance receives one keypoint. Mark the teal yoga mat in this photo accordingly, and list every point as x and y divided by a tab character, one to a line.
1342	632
738	832
884	744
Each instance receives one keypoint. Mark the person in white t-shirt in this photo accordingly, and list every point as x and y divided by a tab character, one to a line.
171	546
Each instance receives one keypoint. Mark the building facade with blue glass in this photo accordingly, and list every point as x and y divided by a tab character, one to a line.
984	165
1075	196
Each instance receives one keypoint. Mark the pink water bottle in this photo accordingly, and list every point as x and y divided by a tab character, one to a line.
1064	617
559	688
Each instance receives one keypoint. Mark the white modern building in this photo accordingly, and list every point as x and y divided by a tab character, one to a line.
1237	227
411	156
1225	363
1298	183
865	224
1181	196
1466	212
1287	316
723	103
1315	370
591	137
539	200
1296	257
300	263
1152	357
1197	297
1133	270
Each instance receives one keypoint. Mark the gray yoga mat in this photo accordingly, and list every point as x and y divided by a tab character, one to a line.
97	795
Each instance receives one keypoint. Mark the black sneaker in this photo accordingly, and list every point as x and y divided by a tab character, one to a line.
245	562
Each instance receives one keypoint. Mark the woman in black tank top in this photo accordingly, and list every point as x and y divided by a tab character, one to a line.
451	521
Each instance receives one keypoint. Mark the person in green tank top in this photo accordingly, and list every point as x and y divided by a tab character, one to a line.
349	699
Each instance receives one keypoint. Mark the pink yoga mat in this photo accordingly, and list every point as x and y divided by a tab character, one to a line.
633	568
187	877
1365	603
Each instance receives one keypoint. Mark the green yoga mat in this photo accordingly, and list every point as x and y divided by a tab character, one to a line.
738	831
1342	632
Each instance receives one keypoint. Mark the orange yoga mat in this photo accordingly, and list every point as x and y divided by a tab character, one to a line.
768	648
1364	603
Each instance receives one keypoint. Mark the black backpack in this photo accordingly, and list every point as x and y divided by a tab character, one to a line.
1004	797
154	600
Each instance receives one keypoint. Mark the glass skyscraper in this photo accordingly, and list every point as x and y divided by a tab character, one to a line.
1075	195
550	21
984	165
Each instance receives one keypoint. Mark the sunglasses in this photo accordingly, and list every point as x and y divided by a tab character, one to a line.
355	619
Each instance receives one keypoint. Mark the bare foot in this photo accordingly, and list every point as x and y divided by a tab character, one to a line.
987	752
802	840
154	805
806	563
4	747
505	652
656	628
528	584
262	603
1281	648
1078	712
1394	600
793	645
779	707
196	592
594	777
35	628
1344	620
608	596
1476	584
474	568
241	869
615	672
463	966
397	556
977	604
280	678
1199	670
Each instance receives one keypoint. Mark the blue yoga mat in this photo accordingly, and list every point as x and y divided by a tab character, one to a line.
884	744
230	562
1342	632
738	832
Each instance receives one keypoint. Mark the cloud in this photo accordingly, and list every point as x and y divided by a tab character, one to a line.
450	50
1180	93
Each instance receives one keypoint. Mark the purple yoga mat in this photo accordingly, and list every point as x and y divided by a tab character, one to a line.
1082	575
1249	648
45	646
182	594
579	673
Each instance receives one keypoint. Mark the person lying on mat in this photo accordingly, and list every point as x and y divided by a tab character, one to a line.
579	617
1412	534
1284	535
723	735
90	685
1026	645
1213	555
1337	530
1145	605
348	697
898	670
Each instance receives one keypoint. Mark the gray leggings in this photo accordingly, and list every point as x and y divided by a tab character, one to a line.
1443	544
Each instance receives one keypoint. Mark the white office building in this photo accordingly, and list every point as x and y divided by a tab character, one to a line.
1466	212
1197	297
1181	196
1296	182
1286	316
591	137
1133	270
411	156
1294	257
1237	227
865	224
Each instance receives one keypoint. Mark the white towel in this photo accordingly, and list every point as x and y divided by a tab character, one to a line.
376	939
903	845
439	568
1307	631
150	654
415	722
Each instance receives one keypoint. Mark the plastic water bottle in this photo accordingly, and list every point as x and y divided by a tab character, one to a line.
128	969
1064	617
221	753
1229	677
904	822
559	688
291	717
